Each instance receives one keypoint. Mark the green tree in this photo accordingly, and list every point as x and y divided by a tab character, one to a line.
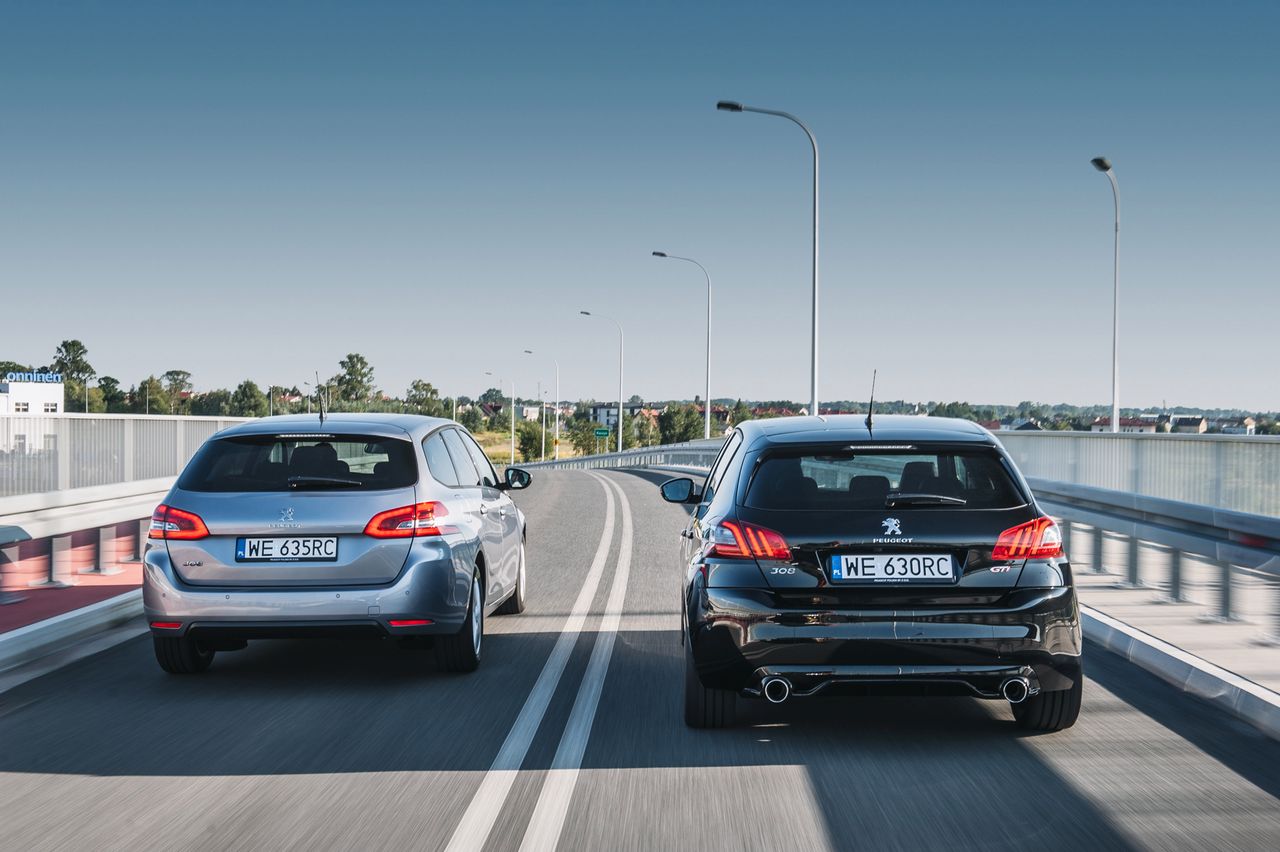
423	398
581	434
739	413
176	383
13	367
113	398
680	423
148	397
214	403
493	396
529	440
472	419
71	359
248	400
355	383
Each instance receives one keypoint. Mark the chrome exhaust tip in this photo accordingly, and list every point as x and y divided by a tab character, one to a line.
1016	690
776	689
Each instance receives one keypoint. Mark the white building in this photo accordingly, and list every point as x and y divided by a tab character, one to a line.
39	394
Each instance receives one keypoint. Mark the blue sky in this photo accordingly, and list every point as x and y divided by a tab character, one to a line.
256	189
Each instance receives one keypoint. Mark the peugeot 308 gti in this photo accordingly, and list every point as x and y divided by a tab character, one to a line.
355	525
824	556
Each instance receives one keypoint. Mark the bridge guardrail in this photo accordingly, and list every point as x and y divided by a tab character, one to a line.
1243	545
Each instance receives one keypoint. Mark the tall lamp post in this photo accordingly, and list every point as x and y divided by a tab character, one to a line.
1103	165
513	413
621	402
706	429
733	106
555	450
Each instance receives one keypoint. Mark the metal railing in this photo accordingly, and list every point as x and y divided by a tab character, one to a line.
1240	550
40	454
1236	472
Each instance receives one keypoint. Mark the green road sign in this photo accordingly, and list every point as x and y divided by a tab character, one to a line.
602	433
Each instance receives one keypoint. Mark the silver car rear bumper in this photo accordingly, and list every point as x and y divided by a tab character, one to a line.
433	588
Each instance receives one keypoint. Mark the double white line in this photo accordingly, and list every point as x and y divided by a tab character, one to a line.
548	817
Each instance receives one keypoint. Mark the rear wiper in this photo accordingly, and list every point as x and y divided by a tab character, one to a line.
922	500
323	482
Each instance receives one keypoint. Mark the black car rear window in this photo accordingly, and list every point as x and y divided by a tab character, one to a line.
310	462
847	478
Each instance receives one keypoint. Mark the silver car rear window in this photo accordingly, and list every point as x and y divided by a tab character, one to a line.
256	463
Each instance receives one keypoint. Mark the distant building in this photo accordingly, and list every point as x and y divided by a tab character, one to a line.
1236	426
1127	424
1188	424
38	394
606	413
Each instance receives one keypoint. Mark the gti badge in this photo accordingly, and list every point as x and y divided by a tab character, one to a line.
892	526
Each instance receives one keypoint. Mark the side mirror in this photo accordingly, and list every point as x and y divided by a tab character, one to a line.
681	490
516	479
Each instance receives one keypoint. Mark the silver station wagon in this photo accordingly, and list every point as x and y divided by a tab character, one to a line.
357	525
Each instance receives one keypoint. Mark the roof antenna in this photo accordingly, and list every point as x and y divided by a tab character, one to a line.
320	397
871	406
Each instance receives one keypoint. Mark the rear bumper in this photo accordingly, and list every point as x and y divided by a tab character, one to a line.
433	590
738	637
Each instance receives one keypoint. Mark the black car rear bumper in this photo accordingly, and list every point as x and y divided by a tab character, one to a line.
738	637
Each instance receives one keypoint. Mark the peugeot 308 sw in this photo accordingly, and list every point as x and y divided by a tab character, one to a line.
825	556
357	525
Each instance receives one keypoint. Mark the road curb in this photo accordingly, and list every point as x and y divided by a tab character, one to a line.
1239	696
61	631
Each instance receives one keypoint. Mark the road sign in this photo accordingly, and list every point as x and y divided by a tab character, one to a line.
602	433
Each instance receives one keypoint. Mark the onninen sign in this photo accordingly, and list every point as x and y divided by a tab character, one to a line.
44	378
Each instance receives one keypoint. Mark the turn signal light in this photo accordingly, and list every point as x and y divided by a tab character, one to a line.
740	540
420	519
1038	539
176	524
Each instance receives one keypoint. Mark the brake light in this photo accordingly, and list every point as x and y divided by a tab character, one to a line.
1037	539
410	622
176	524
420	519
740	540
166	625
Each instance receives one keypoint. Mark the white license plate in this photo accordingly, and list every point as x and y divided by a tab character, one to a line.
893	568
291	549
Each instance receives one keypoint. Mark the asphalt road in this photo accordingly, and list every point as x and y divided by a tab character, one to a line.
571	735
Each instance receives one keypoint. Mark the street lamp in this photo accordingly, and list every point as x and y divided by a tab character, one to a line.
620	356
706	430
1103	165
732	106
555	451
513	413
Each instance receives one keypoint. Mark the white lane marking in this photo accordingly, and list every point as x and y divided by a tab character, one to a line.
488	801
549	814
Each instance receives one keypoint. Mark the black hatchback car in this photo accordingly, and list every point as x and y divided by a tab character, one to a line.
909	557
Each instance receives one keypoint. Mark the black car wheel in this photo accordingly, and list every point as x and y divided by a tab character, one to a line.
703	707
1050	711
460	652
179	655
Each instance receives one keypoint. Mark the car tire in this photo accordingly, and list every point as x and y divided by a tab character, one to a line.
1050	711
460	652
179	655
703	707
514	605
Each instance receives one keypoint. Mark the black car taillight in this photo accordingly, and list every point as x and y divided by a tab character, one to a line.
1036	539
741	540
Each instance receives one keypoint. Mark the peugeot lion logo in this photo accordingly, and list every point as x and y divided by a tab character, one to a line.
892	526
286	514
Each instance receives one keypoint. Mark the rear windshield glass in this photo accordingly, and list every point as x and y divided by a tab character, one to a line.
843	478
289	463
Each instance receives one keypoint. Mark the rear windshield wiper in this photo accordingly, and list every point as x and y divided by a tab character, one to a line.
922	500
323	482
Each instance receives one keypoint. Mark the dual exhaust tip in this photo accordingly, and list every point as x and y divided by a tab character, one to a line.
776	689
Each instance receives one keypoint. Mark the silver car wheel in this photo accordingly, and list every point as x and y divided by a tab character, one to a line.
477	615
